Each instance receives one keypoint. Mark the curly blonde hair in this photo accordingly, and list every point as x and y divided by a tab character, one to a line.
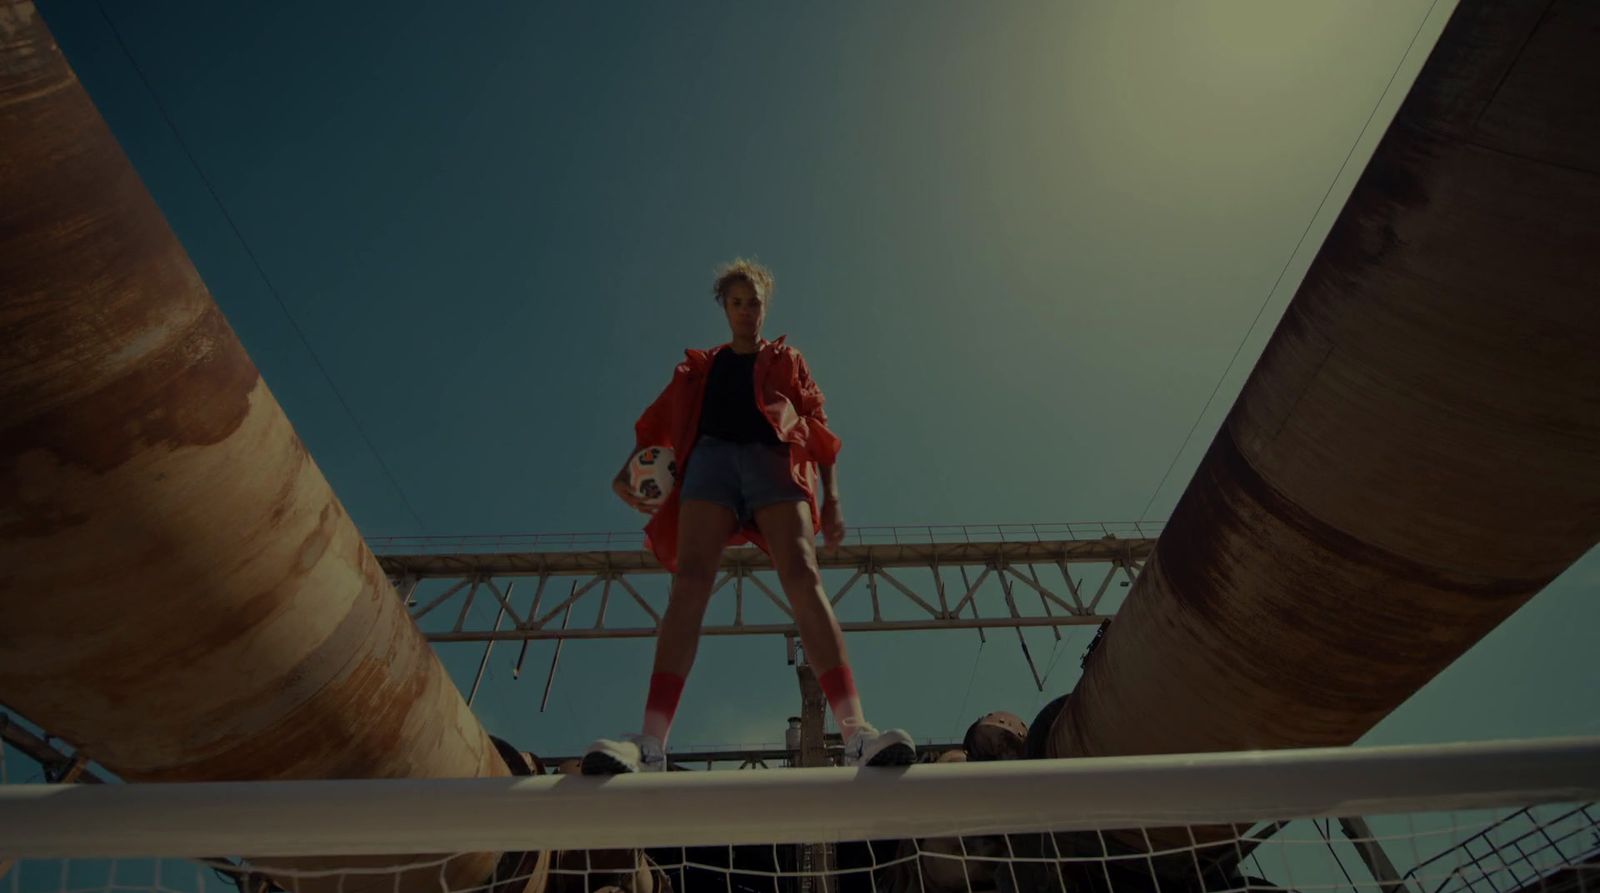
759	277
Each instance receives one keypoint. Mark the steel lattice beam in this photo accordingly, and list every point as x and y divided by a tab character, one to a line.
423	565
1008	572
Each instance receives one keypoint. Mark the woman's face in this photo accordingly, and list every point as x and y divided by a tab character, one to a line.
745	311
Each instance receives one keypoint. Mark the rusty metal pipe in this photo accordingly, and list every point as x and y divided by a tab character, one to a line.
1417	452
182	596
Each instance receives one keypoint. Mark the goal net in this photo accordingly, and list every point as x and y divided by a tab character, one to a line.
1515	817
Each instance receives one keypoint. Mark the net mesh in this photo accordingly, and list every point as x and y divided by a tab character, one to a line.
1535	848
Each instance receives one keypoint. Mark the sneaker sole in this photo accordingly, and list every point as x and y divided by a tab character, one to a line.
897	754
604	764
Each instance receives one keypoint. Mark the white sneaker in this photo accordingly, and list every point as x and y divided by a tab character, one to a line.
634	753
870	747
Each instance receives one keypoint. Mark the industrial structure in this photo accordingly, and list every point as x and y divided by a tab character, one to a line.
1411	460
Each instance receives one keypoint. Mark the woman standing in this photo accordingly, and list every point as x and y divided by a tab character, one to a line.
746	422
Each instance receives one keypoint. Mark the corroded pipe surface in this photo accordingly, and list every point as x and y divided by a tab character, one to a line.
181	594
1418	450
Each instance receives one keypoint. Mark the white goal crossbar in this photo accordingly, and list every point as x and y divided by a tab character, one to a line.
681	809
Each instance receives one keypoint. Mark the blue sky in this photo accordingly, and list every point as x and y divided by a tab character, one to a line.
1019	244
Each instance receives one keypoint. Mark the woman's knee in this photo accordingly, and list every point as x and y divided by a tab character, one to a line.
800	570
793	556
694	579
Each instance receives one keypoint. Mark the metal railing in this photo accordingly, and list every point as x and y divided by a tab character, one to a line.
899	534
1517	852
353	817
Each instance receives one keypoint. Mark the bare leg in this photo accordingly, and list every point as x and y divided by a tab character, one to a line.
787	528
703	529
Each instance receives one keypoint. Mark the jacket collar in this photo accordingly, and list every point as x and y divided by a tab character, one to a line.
763	349
762	346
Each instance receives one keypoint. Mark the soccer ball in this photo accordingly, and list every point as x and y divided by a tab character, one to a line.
652	473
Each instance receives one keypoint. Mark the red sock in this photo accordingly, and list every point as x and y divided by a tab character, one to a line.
840	687
662	704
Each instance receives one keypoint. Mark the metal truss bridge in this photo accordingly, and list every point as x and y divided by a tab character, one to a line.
881	579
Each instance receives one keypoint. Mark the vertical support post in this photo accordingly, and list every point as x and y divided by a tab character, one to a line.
1043	602
555	656
813	719
966	586
466	605
605	601
488	647
816	860
872	589
1072	588
533	616
1011	605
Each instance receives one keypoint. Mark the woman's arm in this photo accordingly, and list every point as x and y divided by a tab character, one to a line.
809	404
832	513
824	448
830	482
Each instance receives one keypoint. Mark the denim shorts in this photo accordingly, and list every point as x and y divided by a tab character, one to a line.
742	477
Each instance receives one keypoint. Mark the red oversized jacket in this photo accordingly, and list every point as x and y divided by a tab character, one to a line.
788	398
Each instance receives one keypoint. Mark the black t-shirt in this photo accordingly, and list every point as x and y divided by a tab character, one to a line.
730	411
